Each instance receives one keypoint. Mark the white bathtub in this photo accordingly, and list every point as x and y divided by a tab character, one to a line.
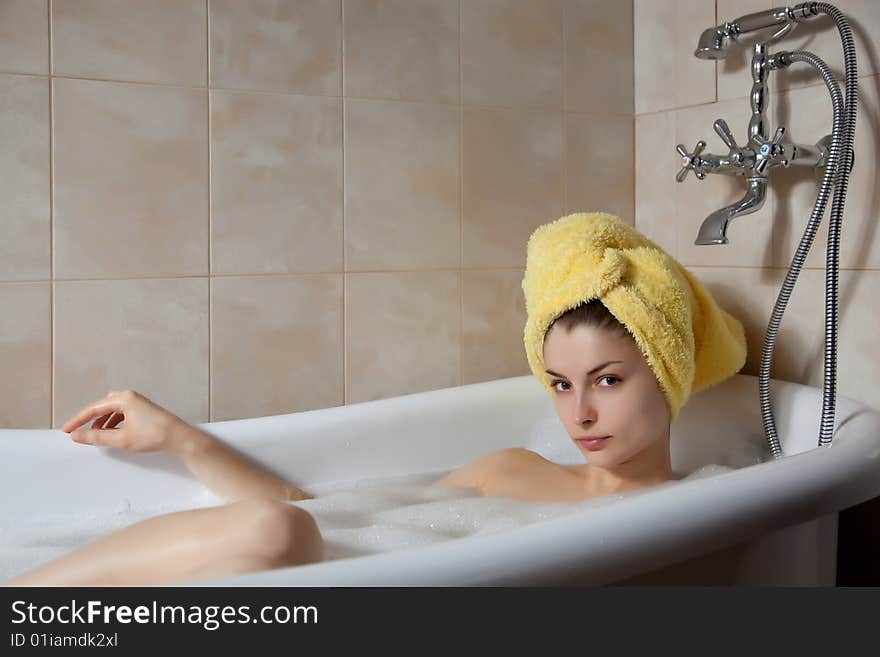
764	523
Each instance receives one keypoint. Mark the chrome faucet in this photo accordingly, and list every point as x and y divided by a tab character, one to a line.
834	152
760	155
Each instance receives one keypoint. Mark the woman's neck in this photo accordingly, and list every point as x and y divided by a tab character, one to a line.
648	468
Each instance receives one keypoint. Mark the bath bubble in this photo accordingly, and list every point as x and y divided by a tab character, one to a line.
356	518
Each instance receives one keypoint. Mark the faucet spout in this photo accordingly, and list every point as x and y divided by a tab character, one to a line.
714	228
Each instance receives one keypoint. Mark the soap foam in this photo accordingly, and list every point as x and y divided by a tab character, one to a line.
355	518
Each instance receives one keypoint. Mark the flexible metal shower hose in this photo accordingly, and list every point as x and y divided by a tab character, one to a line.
837	170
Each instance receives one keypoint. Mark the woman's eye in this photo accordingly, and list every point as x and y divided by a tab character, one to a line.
555	384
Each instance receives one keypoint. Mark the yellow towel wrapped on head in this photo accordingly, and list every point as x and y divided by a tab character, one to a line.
687	339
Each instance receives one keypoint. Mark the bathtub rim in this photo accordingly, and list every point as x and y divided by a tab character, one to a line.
848	468
494	558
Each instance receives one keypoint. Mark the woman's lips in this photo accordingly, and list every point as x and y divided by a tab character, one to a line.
592	444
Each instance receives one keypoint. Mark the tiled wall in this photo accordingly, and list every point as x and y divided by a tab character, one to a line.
677	99
248	208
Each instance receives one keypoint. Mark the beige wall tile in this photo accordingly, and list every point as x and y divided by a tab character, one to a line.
665	34
821	37
800	348
25	355
747	293
599	164
277	45
734	71
132	165
654	75
599	56
149	335
655	179
512	170
694	78
749	235
136	40
402	49
402	208
807	116
269	358
750	294
276	185
130	180
858	356
402	333
511	53
24	177
24	36
493	318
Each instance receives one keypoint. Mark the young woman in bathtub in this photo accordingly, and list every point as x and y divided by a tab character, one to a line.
617	331
603	385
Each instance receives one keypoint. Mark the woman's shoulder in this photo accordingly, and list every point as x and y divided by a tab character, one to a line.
513	461
514	456
490	466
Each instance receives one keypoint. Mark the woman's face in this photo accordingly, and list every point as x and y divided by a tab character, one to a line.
622	399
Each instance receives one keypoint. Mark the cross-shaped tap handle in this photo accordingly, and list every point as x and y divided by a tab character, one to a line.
690	161
769	149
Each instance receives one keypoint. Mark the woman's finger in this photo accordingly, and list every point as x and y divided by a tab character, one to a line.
101	437
85	436
97	409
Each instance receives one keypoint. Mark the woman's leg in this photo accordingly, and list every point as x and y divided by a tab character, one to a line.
249	535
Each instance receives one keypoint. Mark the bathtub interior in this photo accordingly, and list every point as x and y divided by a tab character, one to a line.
437	431
418	436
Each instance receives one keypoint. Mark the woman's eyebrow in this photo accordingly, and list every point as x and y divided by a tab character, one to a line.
593	371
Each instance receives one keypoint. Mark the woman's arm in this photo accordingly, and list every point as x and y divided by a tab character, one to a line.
224	471
127	420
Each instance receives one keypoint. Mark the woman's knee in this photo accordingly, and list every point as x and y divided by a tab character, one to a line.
279	534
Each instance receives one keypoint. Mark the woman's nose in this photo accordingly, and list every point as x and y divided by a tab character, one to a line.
584	411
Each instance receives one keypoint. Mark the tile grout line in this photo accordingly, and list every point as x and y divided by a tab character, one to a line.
377	271
460	209
564	123
745	97
210	208
528	108
635	181
51	232
278	92
344	209
716	61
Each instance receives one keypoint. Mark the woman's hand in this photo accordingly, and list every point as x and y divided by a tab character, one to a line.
148	426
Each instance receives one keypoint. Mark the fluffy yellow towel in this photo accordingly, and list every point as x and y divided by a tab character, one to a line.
687	339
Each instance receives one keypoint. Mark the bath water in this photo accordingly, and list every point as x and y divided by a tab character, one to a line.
355	518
